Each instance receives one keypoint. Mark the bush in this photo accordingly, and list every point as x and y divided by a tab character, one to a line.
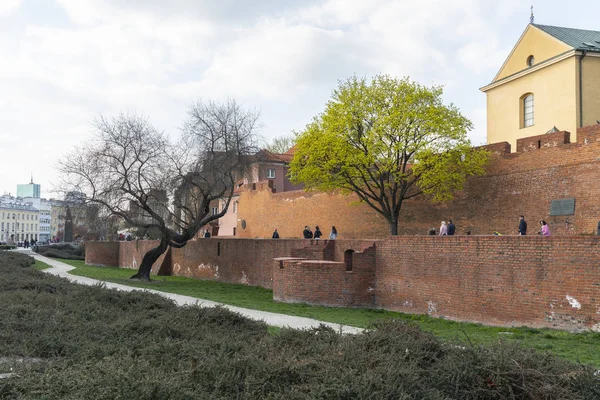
90	342
7	247
63	250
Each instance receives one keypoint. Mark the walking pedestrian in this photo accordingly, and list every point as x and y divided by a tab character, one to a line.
522	226
545	229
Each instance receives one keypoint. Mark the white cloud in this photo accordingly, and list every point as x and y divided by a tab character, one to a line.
285	58
9	6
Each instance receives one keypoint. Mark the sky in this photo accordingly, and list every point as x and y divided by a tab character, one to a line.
64	63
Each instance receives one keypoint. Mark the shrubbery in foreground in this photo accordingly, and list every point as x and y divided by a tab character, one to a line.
65	251
82	342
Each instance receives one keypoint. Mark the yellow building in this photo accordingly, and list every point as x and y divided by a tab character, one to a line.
18	222
550	79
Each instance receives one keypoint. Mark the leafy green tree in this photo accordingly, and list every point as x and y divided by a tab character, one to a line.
387	140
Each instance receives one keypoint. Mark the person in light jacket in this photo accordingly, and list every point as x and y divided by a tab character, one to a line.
333	234
443	229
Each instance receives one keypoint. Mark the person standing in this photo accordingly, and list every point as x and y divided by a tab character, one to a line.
443	229
318	233
307	233
451	228
333	234
545	231
522	226
275	234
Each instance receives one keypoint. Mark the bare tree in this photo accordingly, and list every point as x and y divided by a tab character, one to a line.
280	145
136	173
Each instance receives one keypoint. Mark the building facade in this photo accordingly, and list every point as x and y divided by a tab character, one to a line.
29	190
45	214
19	222
549	82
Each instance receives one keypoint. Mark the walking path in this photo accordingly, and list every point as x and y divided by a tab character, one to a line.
61	269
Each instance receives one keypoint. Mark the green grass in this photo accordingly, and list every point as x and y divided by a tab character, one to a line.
41	265
578	347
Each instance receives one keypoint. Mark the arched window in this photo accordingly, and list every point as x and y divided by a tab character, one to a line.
527	113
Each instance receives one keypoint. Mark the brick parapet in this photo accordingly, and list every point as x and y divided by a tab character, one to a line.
499	280
544	141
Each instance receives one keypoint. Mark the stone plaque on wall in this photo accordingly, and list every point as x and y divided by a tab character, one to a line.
562	207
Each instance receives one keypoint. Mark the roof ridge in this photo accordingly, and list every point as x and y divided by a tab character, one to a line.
565	27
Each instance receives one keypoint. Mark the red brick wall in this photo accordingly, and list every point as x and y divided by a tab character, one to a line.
520	280
515	183
102	254
504	280
326	282
240	261
132	253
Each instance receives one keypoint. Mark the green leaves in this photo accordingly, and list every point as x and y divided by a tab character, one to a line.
387	140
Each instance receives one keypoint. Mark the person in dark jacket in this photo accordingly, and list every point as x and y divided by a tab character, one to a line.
318	233
307	233
275	234
451	227
522	226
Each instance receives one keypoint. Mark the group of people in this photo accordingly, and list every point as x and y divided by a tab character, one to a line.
309	234
447	229
544	227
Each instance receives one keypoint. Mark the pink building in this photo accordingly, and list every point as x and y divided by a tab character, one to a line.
266	167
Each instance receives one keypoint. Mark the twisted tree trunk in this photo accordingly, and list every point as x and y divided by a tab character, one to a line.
149	259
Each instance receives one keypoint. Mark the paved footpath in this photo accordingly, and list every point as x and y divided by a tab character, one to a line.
61	269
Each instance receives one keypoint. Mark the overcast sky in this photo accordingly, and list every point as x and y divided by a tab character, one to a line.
65	62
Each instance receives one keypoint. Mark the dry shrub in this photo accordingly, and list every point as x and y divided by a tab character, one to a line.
105	344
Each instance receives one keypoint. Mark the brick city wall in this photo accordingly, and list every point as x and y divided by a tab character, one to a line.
546	168
102	254
220	259
500	280
344	277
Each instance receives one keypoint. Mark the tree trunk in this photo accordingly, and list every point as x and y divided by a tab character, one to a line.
394	228
149	259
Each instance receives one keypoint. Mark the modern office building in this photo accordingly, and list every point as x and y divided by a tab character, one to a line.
29	190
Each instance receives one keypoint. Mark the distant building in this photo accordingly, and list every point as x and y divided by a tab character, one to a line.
84	216
29	190
19	221
265	168
45	214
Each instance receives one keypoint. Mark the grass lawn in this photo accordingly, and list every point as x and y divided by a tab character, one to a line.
577	347
41	265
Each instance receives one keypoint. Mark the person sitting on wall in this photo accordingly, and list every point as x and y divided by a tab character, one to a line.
545	229
275	234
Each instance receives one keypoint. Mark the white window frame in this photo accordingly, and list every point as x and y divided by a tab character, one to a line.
269	175
528	111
